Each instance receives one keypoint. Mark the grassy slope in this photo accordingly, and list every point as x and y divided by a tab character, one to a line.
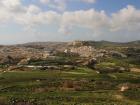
43	88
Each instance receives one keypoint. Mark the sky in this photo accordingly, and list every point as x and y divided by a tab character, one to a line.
24	21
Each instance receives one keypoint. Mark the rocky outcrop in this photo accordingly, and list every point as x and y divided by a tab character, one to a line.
24	61
77	43
83	51
21	55
118	54
7	60
126	86
91	63
123	87
112	69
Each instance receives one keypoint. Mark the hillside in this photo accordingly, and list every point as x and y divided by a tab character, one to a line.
97	44
70	73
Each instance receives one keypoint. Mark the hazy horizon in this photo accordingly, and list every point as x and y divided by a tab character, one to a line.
20	43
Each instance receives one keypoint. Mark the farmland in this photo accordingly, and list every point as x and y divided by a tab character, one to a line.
79	87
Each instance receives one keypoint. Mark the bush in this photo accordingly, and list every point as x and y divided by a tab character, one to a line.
107	67
133	93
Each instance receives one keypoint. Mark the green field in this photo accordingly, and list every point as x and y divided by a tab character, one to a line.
79	87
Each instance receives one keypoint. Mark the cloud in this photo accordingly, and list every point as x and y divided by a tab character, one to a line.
55	4
33	9
27	16
45	1
89	19
125	21
10	3
8	8
61	5
89	1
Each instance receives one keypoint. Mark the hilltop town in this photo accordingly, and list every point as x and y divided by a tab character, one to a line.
76	53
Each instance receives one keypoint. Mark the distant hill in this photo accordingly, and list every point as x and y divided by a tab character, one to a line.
44	45
102	44
96	44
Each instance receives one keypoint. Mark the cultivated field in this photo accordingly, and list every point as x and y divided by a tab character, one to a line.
74	87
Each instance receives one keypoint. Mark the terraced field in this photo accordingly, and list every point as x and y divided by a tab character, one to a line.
74	87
